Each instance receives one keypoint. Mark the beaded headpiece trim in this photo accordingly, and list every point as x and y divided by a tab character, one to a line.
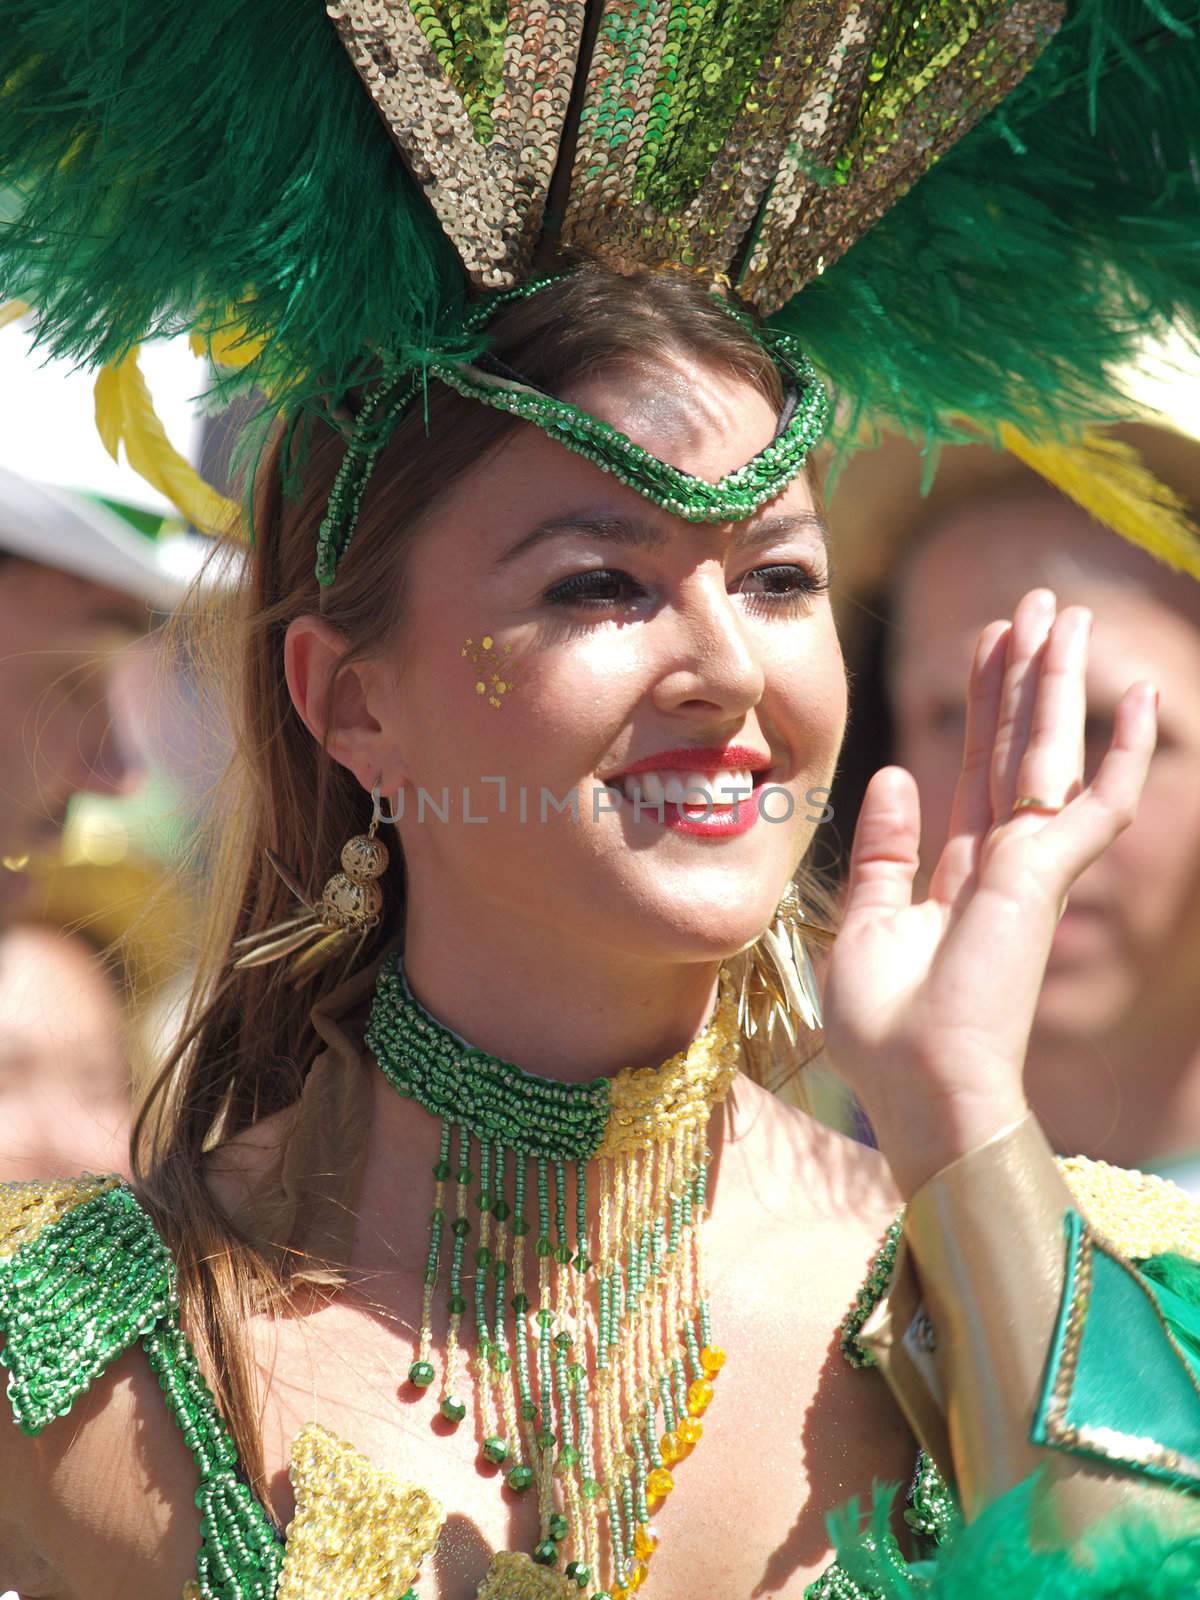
735	497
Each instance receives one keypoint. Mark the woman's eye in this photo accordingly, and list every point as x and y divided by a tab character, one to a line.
782	584
601	589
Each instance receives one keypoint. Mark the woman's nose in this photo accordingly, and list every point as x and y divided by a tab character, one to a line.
711	659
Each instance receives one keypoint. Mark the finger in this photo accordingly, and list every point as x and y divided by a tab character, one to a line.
1051	768
1108	804
1031	624
971	812
883	861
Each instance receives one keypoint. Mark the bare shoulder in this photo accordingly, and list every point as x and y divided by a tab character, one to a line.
799	1165
100	1504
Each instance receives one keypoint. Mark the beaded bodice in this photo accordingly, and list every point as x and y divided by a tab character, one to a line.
85	1276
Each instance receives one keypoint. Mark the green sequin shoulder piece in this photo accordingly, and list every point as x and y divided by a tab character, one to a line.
83	1277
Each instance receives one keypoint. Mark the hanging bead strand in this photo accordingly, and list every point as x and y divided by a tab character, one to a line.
452	1406
506	1447
421	1373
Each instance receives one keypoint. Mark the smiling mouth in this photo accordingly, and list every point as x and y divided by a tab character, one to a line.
691	793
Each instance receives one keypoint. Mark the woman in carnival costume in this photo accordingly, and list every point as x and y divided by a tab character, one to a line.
554	1311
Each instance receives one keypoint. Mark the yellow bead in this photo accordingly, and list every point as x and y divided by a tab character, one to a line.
690	1431
645	1543
712	1359
671	1448
659	1483
699	1396
637	1577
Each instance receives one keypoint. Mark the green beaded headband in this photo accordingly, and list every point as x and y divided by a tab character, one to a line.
734	498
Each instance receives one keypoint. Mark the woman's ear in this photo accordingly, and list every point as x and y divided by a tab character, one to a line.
333	705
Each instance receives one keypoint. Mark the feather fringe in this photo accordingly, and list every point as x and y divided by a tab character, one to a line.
1108	479
1130	1557
125	415
1039	253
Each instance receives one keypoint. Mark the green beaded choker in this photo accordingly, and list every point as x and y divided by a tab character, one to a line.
591	1349
734	498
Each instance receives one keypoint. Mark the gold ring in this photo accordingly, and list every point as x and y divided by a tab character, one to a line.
1030	802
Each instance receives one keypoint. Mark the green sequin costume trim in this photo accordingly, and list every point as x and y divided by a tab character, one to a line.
97	1279
735	497
75	1297
931	1510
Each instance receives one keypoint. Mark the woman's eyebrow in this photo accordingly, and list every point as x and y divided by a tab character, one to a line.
634	533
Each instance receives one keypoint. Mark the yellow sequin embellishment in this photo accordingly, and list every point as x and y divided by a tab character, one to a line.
26	1209
1137	1213
514	1576
357	1530
648	1106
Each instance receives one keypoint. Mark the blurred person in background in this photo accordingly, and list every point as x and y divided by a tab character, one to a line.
1114	1058
81	588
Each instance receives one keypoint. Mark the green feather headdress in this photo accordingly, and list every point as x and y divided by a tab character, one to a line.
966	215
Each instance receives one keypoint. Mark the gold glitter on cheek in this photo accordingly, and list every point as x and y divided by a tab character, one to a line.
493	665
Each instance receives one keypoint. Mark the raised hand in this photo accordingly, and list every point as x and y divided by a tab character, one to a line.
928	1006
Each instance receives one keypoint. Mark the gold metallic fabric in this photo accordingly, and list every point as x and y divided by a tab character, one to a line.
982	1270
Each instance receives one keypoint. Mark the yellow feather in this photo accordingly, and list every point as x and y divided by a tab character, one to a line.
12	312
125	415
1110	481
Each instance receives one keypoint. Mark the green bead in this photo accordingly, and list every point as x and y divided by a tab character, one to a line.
591	1489
568	1457
562	1255
558	1526
583	1262
441	1171
528	1411
463	1176
545	1438
545	1319
457	1305
484	1200
460	1227
502	1211
544	1247
453	1409
496	1450
580	1573
501	1362
483	1256
520	1304
520	1226
545	1553
420	1374
519	1479
563	1340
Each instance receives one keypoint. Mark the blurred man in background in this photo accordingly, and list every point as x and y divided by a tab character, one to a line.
1114	1059
79	585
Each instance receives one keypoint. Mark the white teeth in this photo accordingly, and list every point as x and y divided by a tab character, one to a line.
650	786
691	789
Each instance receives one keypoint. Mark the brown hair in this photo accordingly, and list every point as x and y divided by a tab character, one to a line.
247	1041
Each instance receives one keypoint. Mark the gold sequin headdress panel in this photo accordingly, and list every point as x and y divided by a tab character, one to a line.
700	124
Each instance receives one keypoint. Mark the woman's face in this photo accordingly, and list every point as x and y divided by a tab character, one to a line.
636	650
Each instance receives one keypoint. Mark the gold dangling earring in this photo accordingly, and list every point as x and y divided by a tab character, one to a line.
351	904
778	986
